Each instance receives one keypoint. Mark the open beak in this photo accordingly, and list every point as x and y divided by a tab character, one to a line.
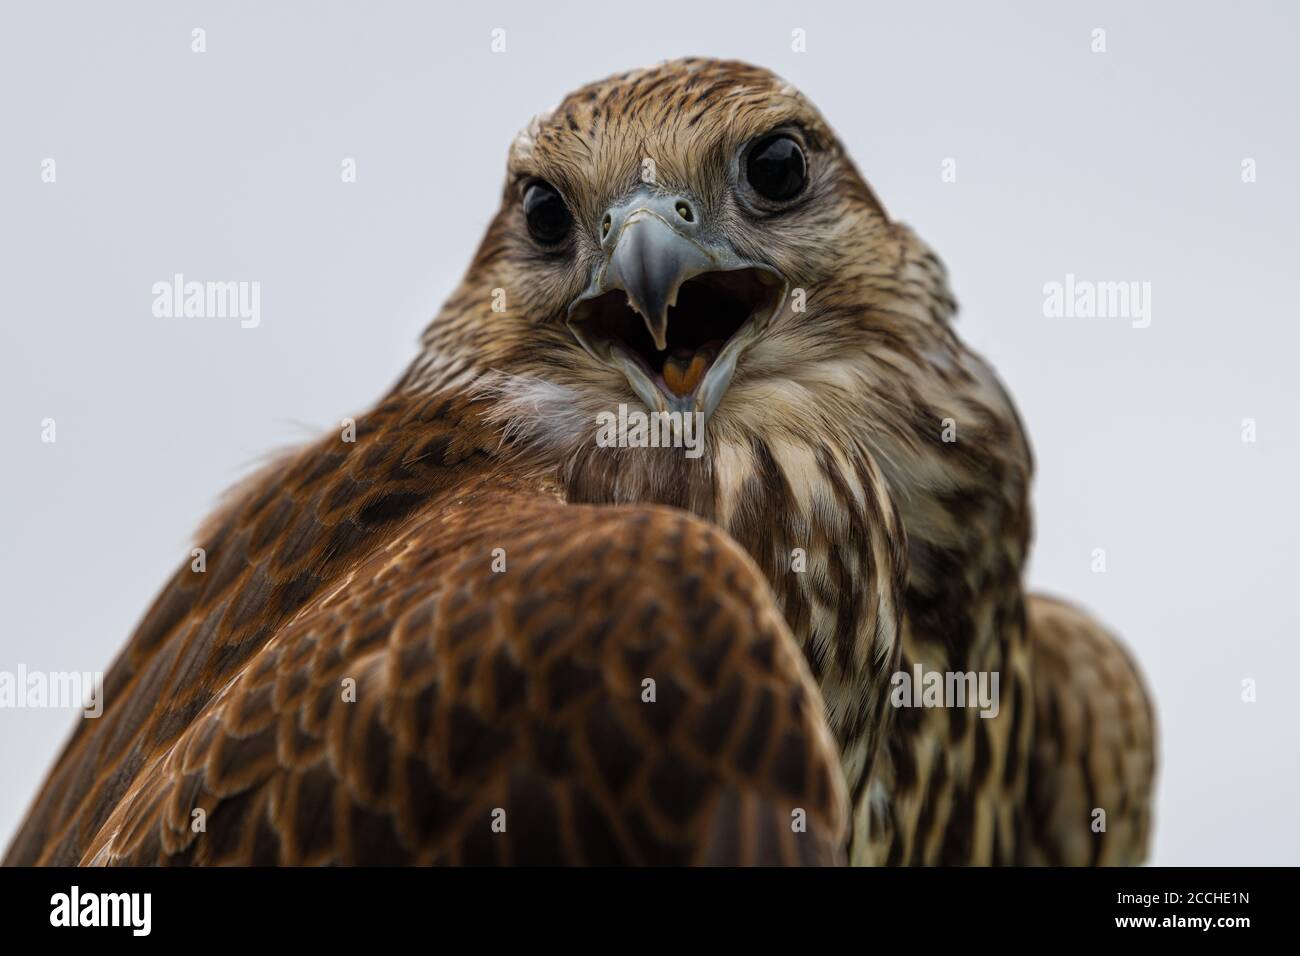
670	307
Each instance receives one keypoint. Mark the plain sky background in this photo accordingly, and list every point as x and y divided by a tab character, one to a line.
1116	166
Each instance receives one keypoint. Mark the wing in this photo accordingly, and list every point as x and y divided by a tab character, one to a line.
1094	744
621	688
284	538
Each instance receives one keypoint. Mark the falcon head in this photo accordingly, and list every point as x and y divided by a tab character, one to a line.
690	238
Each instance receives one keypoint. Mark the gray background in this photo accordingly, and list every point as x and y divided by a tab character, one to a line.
1116	166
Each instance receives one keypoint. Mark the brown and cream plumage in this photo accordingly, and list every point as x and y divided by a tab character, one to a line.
475	634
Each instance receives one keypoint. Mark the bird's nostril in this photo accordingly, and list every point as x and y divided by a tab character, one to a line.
604	226
684	210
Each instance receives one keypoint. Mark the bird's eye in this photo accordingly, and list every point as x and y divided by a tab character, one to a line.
776	167
548	217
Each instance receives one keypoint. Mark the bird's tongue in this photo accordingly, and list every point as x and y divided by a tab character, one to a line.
684	368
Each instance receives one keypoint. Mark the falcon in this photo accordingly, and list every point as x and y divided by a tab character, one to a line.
465	631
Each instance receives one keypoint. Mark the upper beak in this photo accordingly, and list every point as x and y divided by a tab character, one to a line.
650	261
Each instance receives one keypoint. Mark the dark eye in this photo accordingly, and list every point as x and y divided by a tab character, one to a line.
548	217
776	168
